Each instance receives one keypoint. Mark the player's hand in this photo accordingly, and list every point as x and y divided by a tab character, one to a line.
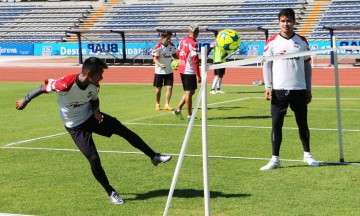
308	97
20	104
162	65
199	79
268	94
98	116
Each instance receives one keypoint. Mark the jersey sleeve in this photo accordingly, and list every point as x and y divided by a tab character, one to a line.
63	84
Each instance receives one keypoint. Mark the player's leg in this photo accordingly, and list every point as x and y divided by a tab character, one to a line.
111	125
158	84
168	82
278	111
221	73
299	106
83	140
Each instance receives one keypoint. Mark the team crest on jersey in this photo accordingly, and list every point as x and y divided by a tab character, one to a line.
296	45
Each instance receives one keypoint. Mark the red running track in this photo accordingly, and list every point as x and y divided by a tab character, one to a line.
238	76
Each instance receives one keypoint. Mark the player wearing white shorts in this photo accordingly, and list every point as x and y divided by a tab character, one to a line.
80	111
288	82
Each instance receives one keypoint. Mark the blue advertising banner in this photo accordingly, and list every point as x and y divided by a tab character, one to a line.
16	49
145	49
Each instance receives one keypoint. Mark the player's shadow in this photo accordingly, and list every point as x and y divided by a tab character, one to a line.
322	164
184	193
239	117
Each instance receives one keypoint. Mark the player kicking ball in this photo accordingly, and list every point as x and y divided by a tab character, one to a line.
80	111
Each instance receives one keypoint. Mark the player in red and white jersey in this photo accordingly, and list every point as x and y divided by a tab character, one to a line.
80	111
188	69
288	82
162	55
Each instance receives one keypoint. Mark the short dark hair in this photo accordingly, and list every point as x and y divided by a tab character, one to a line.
288	12
93	65
166	34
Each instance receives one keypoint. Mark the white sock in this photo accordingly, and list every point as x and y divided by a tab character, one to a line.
215	82
275	158
219	84
307	154
166	105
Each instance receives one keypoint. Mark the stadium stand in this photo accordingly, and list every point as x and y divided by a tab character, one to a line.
339	13
38	23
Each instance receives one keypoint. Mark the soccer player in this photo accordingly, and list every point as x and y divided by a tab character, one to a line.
219	57
162	55
188	69
288	82
79	108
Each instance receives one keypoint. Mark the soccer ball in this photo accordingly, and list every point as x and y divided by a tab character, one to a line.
229	40
175	64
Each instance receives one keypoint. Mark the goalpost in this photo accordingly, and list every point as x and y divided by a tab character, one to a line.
202	95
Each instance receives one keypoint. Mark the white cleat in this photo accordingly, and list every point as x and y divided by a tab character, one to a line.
271	165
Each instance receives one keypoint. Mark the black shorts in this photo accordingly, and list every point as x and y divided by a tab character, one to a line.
220	71
82	134
189	82
161	80
281	99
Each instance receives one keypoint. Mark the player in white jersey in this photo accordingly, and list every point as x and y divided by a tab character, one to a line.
288	82
162	55
79	109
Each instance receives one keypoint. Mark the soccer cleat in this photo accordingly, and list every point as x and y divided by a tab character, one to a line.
116	199
271	165
168	108
311	161
212	91
189	118
178	114
157	107
160	158
219	91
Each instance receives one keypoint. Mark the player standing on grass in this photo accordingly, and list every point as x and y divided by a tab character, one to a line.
162	55
219	57
80	111
288	82
188	69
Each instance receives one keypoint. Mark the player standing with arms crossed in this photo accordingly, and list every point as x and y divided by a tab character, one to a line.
79	108
288	82
188	69
162	55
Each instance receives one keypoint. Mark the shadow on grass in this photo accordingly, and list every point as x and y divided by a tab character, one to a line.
184	193
322	164
240	117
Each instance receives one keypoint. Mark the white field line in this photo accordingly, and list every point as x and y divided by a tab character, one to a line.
220	126
187	155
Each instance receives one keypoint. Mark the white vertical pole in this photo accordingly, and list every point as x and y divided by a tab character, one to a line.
338	110
182	152
204	130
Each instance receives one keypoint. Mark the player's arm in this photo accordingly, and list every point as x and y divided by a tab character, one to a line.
21	103
267	70
95	106
156	60
308	76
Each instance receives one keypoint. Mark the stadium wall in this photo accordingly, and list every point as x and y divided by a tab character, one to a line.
136	49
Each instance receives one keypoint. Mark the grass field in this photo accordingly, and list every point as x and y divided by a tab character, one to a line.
48	176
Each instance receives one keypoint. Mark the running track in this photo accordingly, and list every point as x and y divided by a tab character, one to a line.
144	75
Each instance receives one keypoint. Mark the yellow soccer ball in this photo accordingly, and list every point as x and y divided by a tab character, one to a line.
228	39
175	64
